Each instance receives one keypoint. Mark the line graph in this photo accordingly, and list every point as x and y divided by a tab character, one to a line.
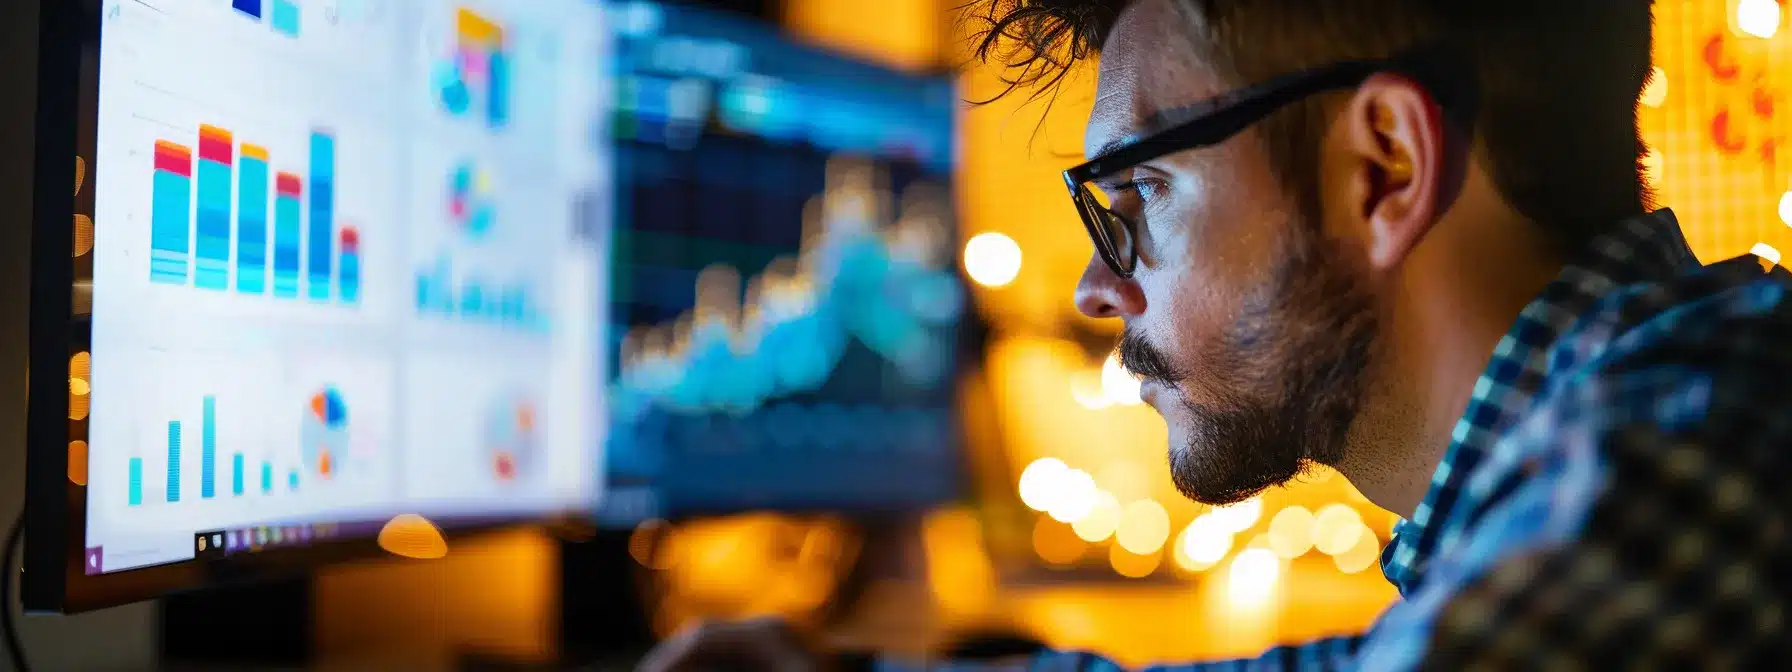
888	286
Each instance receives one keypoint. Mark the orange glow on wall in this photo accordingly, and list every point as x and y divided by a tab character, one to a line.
1723	131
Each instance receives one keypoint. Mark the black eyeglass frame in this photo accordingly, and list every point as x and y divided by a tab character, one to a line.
1440	70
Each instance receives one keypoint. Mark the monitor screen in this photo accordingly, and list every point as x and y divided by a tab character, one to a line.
343	269
785	323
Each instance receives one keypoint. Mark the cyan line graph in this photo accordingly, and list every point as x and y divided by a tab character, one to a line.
888	288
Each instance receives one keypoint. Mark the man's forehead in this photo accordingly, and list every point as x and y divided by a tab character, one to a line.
1148	66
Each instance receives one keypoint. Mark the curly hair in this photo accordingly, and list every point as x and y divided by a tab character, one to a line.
1558	80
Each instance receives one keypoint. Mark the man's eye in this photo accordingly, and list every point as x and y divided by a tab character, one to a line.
1145	190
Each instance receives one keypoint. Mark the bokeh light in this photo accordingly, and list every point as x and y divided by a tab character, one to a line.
992	259
1085	388
1102	520
1074	497
1252	577
1144	527
1205	542
1656	91
1133	565
1119	386
77	462
1239	517
1337	528
1786	207
1359	557
1040	480
1767	252
1291	532
1056	543
1759	18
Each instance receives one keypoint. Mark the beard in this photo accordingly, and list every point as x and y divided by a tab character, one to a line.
1281	385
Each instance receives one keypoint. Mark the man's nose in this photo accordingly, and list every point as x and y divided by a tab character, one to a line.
1101	294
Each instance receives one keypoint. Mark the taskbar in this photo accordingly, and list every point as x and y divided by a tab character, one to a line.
238	540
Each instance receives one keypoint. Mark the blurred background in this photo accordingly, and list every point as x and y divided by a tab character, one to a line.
1069	533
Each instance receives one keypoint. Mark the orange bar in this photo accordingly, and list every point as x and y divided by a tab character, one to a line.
254	152
210	132
476	28
173	149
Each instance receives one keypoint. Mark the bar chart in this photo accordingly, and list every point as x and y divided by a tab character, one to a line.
195	242
474	78
442	291
178	443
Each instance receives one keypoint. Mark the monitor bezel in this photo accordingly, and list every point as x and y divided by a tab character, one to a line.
55	507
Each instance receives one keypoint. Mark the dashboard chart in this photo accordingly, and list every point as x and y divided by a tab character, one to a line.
326	233
789	339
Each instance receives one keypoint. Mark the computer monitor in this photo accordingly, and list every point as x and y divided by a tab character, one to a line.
333	262
787	299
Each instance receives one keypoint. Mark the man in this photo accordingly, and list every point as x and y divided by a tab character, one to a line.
1409	239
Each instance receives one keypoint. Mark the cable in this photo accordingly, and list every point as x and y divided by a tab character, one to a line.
15	649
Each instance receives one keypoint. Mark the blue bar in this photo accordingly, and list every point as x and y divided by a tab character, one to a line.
350	280
287	234
171	201
285	18
236	474
249	7
174	460
211	239
252	224
292	479
320	243
498	95
267	478
136	496
208	448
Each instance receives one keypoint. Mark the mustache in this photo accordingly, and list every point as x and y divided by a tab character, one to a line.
1140	358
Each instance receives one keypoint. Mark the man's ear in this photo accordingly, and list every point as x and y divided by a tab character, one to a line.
1405	165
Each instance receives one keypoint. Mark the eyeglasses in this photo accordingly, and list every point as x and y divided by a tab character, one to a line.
1217	119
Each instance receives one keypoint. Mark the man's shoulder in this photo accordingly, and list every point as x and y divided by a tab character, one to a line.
1728	324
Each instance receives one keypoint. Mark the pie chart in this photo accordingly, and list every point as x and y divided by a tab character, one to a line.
510	438
323	435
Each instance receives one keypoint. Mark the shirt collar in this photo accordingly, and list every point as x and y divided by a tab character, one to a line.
1638	249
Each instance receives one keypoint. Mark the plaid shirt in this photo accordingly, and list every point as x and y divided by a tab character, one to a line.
1614	492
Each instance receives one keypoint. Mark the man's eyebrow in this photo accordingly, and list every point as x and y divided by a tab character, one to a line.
1155	122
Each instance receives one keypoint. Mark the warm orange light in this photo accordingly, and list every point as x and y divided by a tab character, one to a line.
1144	526
1056	543
1656	91
992	259
80	366
1102	520
1133	565
1291	532
1203	543
1239	517
77	462
1252	577
1040	482
958	567
1337	529
413	536
1359	557
1758	18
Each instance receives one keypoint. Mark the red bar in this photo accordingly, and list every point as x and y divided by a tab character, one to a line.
174	158
351	239
286	184
214	144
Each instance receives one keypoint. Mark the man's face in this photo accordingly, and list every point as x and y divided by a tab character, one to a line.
1251	329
